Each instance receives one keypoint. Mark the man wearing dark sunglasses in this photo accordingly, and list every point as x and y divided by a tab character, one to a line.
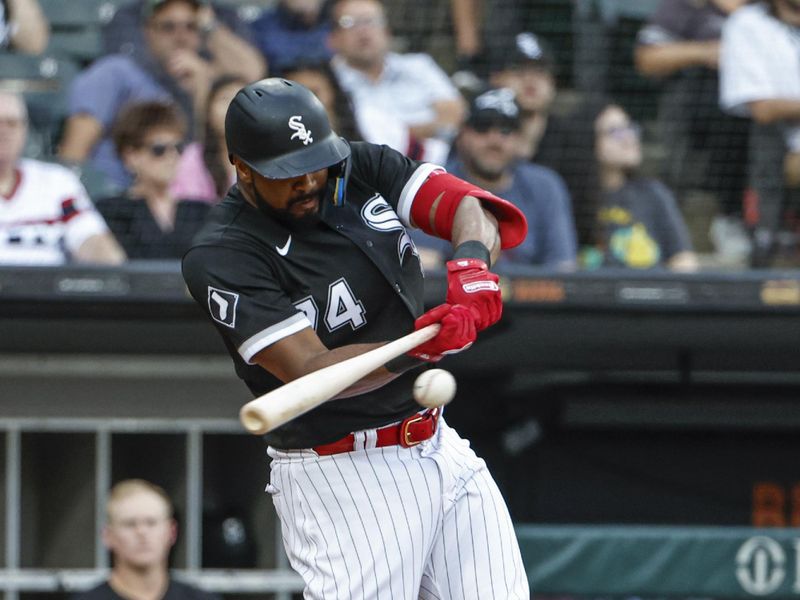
487	155
170	66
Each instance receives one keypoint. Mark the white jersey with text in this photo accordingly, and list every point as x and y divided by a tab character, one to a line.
46	217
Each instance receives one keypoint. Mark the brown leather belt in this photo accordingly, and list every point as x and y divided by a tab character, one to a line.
409	432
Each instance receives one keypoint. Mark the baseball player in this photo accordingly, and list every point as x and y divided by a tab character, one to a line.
307	262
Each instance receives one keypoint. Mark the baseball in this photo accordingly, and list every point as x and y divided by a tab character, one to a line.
435	387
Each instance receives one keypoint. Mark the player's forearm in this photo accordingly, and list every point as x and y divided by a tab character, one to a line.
82	132
664	60
31	31
377	378
473	223
101	249
303	353
466	14
233	56
449	114
774	110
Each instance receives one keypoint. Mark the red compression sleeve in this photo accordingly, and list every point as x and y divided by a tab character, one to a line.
437	200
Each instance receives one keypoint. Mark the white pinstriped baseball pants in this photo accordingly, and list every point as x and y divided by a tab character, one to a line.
392	523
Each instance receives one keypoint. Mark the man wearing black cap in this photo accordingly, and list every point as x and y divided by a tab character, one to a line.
169	68
307	262
527	66
486	156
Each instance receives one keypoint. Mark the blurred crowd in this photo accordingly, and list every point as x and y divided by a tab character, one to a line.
112	143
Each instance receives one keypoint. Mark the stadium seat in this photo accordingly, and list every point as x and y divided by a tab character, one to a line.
75	26
249	10
43	81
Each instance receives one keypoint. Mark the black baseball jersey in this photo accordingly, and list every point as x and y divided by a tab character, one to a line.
355	277
175	591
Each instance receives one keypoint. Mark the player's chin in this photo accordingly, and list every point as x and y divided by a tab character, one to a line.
307	215
305	208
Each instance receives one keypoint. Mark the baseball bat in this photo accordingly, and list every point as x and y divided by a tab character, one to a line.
273	409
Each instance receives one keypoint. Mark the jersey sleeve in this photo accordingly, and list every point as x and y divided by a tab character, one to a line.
81	218
395	176
241	295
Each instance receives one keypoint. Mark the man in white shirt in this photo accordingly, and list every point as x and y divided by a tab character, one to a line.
760	78
760	65
46	217
403	100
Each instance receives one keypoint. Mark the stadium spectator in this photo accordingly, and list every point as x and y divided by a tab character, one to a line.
403	100
487	155
760	78
46	217
23	26
526	65
320	79
707	158
140	531
227	40
622	219
293	31
148	220
170	67
204	171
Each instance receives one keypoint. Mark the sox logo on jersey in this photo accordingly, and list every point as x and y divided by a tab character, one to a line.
379	215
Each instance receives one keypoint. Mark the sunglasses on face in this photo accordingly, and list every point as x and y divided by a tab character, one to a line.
175	26
622	131
351	22
159	150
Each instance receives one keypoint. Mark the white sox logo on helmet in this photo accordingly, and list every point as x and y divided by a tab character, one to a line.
300	131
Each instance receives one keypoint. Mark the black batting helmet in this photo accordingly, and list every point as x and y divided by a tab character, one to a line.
281	130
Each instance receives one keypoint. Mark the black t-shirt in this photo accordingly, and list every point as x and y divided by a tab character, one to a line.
132	223
355	277
175	591
641	225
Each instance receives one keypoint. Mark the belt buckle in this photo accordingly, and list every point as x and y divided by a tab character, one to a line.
405	433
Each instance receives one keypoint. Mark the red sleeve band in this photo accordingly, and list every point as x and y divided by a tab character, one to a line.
437	200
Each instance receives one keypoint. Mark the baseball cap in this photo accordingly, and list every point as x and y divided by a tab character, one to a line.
494	107
151	6
524	48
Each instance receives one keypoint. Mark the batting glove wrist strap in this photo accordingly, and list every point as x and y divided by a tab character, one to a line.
473	249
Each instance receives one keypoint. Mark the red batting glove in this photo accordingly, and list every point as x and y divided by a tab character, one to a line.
457	332
470	283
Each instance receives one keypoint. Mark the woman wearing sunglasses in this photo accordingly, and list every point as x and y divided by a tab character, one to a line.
148	220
